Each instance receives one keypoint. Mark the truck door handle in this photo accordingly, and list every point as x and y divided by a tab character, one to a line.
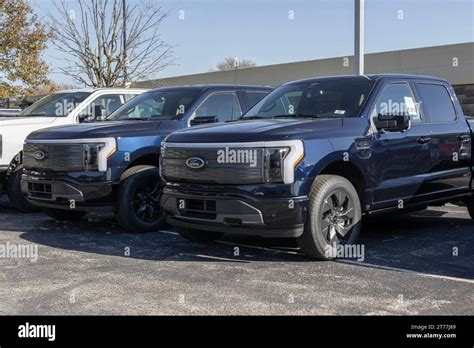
464	138
424	140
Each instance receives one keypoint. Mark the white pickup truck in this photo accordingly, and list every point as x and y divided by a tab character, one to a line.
57	109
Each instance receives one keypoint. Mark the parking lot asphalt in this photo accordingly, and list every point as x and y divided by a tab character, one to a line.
418	263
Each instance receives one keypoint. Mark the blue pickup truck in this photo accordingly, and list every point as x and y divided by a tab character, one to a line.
314	156
112	166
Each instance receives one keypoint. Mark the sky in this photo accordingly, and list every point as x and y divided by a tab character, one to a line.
280	31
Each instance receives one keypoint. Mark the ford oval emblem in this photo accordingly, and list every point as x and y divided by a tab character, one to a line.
39	155
195	163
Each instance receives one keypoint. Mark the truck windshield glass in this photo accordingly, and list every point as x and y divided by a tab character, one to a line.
157	105
325	98
55	105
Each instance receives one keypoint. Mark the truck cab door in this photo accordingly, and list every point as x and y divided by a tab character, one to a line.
401	160
450	140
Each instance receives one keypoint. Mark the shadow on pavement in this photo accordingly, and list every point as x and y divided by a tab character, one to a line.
104	236
425	242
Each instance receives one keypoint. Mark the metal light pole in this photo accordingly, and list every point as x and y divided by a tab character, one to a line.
359	30
124	42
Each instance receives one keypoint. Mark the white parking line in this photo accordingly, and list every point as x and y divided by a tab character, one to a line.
396	269
169	232
216	258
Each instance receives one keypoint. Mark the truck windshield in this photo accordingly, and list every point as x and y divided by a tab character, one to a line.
157	105
55	105
315	99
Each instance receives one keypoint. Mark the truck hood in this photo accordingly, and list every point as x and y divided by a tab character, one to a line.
25	121
257	130
98	130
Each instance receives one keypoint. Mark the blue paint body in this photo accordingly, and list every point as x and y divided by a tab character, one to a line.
138	142
388	168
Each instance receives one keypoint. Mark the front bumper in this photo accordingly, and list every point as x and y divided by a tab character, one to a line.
67	193
234	213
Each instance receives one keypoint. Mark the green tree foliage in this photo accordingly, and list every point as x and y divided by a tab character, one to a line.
22	39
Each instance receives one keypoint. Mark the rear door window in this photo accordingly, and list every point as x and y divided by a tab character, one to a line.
437	103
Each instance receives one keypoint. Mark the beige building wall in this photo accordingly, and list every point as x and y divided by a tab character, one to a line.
453	62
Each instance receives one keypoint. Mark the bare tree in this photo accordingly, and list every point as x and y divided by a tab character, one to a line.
50	87
231	63
93	44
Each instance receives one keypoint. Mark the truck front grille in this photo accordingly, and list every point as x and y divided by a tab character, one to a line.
174	167
40	190
53	157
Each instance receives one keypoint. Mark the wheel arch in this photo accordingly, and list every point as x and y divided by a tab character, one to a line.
16	161
151	159
352	173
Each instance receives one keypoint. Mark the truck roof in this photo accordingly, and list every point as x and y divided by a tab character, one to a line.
214	86
92	90
370	76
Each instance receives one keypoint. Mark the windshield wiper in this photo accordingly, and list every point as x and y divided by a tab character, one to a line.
279	116
133	119
296	116
37	114
252	118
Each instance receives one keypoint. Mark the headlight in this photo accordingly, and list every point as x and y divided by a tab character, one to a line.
91	155
97	152
274	159
281	158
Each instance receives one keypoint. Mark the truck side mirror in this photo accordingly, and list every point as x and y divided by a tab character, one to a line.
393	123
100	113
203	120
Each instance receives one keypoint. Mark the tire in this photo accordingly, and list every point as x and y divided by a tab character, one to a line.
17	199
470	206
325	226
64	215
138	208
198	235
